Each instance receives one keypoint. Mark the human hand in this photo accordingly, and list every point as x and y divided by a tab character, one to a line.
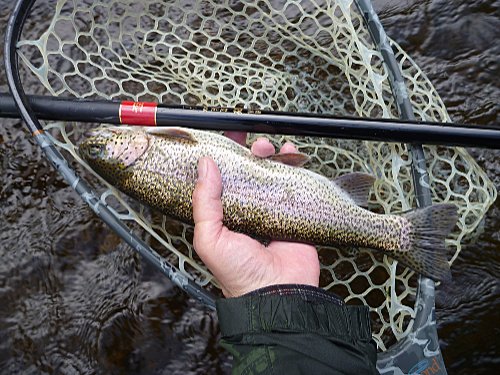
240	263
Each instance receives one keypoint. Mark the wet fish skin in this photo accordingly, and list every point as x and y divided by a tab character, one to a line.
267	200
262	197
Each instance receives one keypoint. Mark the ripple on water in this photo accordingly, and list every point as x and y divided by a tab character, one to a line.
467	309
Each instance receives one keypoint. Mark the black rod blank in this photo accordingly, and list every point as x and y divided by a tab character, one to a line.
237	119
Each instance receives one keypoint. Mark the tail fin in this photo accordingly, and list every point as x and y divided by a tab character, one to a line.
429	228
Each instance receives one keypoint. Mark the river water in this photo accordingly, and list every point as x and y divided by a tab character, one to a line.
75	299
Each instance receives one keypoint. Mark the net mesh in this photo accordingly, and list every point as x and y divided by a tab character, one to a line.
307	56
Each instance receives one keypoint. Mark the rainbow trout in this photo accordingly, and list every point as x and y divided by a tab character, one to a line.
268	198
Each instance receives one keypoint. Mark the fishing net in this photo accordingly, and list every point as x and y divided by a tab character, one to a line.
307	56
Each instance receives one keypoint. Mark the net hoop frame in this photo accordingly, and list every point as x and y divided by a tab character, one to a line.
12	36
421	342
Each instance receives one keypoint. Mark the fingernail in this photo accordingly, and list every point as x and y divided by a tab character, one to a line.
202	168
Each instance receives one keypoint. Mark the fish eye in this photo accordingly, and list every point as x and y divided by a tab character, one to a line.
96	151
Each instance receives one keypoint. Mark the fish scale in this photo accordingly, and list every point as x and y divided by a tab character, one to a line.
265	198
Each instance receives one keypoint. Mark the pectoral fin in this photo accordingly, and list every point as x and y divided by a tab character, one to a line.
357	185
172	133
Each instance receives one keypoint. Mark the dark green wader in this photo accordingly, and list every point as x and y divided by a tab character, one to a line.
296	329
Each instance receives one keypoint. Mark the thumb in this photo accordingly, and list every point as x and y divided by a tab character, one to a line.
207	207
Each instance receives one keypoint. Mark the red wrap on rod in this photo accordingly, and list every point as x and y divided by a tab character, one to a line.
138	113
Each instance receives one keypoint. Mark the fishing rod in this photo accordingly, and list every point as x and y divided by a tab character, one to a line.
255	121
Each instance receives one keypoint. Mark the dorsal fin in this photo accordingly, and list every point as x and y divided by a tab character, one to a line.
294	159
357	185
172	133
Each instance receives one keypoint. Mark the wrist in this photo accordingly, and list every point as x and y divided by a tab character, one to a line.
292	308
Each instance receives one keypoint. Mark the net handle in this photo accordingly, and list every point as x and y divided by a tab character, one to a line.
420	349
12	35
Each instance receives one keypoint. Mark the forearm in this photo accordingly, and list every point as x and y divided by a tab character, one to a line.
296	329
